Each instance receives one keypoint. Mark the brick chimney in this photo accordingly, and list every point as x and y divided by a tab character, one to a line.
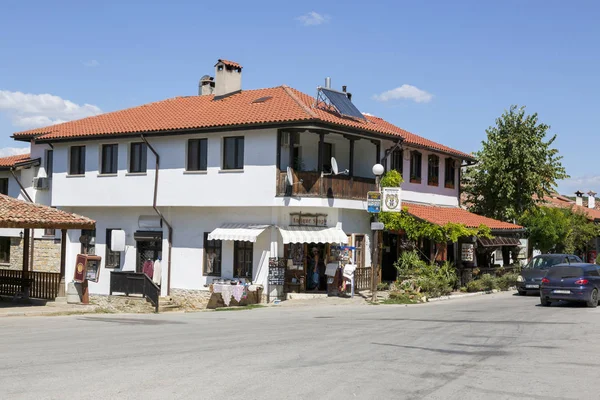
228	78
591	199
579	198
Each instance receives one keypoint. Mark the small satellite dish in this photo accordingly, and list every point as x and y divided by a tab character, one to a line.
334	166
290	177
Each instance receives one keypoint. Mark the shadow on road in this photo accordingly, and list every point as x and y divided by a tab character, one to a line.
481	353
468	321
131	321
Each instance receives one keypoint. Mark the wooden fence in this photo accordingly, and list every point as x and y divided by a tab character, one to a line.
362	278
45	285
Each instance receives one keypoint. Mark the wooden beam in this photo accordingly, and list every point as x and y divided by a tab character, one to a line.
351	167
321	151
63	252
26	236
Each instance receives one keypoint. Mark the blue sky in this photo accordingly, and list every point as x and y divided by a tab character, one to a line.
449	68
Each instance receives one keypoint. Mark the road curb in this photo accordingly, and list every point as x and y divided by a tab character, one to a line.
463	295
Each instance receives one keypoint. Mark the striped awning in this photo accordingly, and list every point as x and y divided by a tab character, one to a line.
312	234
238	232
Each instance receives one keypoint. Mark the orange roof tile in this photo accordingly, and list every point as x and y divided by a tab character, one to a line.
11	161
564	202
443	215
16	213
203	112
231	64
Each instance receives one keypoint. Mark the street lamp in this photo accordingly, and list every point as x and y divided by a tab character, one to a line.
378	170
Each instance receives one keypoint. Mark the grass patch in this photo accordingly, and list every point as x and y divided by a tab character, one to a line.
241	308
401	299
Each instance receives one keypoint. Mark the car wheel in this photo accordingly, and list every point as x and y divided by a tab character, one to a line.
544	301
593	301
522	292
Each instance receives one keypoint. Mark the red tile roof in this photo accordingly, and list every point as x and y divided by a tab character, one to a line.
564	202
443	215
231	64
16	213
11	161
203	112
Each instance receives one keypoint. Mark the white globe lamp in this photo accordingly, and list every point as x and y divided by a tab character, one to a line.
378	170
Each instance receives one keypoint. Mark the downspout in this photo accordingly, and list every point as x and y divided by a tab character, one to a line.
12	171
169	227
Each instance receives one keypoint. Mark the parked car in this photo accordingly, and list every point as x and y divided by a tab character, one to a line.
531	275
571	282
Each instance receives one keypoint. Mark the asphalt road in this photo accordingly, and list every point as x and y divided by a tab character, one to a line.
494	347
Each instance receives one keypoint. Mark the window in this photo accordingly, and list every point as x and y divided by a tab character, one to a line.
212	256
49	163
4	186
415	167
110	159
112	258
138	157
450	173
49	232
197	155
433	170
396	160
77	160
88	241
5	250
242	259
233	152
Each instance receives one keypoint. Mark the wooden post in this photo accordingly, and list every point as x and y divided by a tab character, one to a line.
351	167
85	294
63	261
25	275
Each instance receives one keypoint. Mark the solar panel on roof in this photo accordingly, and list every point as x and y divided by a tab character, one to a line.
342	103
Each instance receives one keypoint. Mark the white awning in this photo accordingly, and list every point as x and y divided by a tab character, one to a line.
239	232
312	234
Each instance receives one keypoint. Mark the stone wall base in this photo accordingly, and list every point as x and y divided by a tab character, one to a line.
188	299
122	304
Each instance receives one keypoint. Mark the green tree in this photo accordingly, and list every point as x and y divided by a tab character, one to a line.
515	166
581	232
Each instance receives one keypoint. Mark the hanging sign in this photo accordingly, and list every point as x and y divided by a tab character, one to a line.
374	202
468	252
392	199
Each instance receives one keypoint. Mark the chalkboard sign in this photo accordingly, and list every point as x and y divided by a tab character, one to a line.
276	272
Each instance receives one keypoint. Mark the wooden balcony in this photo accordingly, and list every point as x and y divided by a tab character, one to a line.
328	186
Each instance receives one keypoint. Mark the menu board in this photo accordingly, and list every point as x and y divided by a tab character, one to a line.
276	272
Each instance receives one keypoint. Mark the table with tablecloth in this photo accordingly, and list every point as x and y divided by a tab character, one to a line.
234	294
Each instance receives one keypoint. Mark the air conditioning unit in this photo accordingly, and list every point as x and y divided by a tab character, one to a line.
41	183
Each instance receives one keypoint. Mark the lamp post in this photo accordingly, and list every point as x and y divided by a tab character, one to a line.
377	171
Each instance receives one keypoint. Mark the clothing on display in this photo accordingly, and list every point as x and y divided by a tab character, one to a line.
156	278
148	268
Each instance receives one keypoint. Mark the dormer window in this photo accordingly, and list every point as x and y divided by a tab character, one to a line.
415	166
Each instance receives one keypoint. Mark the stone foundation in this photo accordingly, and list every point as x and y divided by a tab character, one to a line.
190	299
122	304
46	255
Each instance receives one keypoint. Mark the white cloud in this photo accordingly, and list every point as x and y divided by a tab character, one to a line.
13	151
91	63
583	183
313	18
34	110
405	91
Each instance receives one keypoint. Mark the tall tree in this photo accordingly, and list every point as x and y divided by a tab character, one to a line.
515	166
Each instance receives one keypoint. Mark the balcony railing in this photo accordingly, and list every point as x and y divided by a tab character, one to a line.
328	186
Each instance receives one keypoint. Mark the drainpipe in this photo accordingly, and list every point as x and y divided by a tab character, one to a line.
169	227
12	171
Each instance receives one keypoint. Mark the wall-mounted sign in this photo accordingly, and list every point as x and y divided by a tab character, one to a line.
468	252
374	202
392	199
300	219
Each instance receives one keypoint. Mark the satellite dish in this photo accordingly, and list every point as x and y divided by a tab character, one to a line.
290	177
334	166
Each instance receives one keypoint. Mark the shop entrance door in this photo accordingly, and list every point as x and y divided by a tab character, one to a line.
148	248
389	257
315	268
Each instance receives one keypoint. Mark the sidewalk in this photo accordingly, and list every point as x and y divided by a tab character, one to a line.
41	307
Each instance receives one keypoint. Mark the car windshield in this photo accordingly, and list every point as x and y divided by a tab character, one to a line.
565	272
545	262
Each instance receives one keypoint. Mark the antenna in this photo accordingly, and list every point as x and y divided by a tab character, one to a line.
290	177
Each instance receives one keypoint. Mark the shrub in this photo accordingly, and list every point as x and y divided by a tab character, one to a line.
475	286
383	286
409	264
488	282
431	279
507	281
463	289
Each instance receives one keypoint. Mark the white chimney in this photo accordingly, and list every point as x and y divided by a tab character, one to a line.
591	199
579	198
206	85
228	77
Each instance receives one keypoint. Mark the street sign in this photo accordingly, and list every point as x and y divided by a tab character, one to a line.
392	199
377	226
374	202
